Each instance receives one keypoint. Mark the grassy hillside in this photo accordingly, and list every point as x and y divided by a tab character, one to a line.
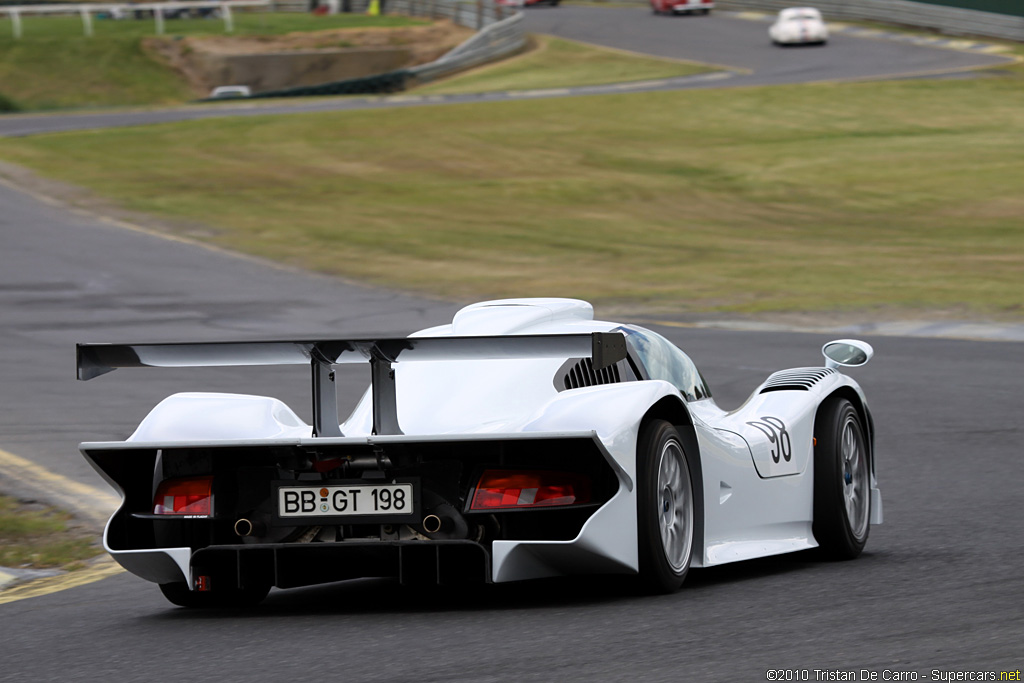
54	66
899	195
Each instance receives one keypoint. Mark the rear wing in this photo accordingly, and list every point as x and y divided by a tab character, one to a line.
604	348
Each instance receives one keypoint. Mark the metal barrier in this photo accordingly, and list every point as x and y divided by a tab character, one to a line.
393	81
951	20
501	34
497	40
159	10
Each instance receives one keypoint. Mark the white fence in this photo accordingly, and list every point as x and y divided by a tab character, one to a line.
158	9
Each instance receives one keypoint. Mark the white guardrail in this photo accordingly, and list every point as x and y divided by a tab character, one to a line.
159	10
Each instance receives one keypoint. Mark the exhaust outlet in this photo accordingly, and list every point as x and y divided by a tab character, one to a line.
245	527
432	524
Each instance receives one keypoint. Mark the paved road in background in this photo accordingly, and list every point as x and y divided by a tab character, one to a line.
939	585
728	40
938	588
720	38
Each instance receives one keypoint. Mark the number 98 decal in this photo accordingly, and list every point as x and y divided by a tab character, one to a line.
778	436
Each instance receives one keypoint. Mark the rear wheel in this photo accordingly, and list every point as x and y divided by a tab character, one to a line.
179	594
842	481
665	508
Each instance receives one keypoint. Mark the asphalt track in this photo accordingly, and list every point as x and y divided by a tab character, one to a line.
739	45
939	586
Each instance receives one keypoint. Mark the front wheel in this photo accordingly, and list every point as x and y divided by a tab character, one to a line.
665	508
179	594
842	481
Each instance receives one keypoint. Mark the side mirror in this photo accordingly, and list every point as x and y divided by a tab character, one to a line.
847	353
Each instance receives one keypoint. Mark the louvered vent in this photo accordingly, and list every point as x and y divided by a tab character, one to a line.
583	374
798	379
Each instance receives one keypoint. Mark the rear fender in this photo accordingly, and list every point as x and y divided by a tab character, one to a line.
614	412
215	417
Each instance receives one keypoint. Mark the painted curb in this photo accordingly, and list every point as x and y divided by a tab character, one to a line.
87	503
97	570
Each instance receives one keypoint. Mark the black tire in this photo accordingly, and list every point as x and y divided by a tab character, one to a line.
842	481
236	598
666	508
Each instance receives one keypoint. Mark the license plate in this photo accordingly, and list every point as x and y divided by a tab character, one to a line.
346	500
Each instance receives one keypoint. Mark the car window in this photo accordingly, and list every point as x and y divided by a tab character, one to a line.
661	359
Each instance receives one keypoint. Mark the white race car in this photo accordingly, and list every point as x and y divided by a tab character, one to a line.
799	26
523	440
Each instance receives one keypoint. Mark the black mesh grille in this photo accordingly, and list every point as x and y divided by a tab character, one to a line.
583	374
798	379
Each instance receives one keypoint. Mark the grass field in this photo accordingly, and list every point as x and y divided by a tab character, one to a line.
54	66
558	63
36	536
885	197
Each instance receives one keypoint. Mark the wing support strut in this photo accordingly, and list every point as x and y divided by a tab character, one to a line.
605	348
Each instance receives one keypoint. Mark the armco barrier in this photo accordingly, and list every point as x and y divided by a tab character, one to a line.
494	41
941	17
393	81
498	37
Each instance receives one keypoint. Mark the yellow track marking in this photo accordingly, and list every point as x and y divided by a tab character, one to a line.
100	569
86	501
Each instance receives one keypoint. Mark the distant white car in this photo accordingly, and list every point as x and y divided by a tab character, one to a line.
230	91
799	26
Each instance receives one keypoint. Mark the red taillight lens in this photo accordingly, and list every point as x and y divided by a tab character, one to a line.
192	496
507	489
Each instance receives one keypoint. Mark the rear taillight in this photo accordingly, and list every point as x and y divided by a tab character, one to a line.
512	489
193	496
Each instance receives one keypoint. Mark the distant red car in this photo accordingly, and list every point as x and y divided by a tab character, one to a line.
682	6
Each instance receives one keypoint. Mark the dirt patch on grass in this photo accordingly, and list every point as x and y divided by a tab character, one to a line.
38	536
191	55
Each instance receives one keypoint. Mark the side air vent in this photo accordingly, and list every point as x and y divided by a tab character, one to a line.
797	379
583	374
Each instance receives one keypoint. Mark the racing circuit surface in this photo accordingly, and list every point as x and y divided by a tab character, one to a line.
939	585
739	45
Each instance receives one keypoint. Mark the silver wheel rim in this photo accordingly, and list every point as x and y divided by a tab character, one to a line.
855	478
675	506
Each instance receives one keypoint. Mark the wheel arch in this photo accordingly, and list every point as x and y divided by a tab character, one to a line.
674	411
851	395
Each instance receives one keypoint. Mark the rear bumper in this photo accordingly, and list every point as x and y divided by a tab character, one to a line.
303	564
290	565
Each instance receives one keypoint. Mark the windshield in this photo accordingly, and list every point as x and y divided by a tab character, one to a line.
661	359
